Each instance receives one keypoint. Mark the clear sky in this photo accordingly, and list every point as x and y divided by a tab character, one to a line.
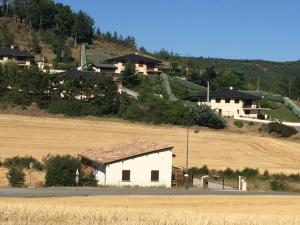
238	29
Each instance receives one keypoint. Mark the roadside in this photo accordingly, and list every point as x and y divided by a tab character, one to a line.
90	191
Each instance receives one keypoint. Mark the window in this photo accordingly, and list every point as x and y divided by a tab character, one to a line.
218	100
141	65
154	175
236	101
125	175
247	111
227	100
220	111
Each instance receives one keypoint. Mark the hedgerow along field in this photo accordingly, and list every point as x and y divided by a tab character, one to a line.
39	136
154	210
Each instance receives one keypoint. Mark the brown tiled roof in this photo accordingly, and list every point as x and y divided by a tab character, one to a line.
124	151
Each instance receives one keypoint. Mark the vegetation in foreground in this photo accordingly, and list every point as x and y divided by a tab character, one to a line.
139	210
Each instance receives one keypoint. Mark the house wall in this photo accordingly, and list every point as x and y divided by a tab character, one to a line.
233	109
22	62
140	69
140	170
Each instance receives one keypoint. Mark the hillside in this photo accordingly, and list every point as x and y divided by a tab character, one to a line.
99	50
39	136
270	73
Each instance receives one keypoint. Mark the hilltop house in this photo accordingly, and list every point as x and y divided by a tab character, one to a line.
234	103
143	64
140	163
13	54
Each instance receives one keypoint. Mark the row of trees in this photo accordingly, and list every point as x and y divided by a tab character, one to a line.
218	80
24	86
46	14
128	41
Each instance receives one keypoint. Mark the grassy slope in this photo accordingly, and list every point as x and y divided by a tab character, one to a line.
21	135
282	113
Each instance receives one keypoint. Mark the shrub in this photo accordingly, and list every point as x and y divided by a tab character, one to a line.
228	172
265	103
278	185
251	123
239	123
281	129
23	162
61	171
261	116
249	172
203	115
200	171
16	176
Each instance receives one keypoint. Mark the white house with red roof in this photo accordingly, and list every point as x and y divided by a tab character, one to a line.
140	163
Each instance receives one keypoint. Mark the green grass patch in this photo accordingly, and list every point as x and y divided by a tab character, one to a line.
282	113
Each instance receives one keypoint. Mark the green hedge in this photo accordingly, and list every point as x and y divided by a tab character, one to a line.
281	129
291	106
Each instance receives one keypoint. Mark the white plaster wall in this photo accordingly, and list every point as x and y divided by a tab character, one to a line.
140	170
231	109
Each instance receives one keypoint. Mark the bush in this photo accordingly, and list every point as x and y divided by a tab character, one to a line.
251	123
23	162
265	103
249	172
261	116
278	185
200	171
281	129
203	115
16	176
61	171
239	123
228	173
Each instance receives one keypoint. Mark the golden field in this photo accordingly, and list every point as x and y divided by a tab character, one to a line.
152	210
39	136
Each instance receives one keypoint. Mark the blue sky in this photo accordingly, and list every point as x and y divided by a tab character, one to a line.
238	29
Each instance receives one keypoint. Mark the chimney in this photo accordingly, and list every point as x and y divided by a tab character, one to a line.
231	88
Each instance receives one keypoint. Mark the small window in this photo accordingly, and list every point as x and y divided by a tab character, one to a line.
218	100
125	175
236	101
247	111
220	111
227	100
154	175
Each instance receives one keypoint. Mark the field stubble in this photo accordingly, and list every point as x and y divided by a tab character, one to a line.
139	210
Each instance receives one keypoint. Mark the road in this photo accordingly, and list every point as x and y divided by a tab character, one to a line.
72	191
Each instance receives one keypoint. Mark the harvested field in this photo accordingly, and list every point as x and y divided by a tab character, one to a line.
39	136
189	210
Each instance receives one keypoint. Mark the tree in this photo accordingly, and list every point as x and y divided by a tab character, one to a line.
83	28
64	19
35	44
129	75
203	115
229	78
61	171
16	176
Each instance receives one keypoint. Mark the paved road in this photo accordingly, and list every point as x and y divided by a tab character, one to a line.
61	192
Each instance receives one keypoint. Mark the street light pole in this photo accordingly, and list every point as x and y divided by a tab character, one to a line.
187	160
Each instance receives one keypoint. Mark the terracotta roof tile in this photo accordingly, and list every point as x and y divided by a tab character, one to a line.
124	151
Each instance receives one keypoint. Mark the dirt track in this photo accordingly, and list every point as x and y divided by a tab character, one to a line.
38	136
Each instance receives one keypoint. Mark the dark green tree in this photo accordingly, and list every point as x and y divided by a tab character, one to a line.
35	44
83	28
16	176
203	115
129	75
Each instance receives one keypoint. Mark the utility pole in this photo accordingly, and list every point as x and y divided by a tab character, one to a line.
289	88
208	92
187	160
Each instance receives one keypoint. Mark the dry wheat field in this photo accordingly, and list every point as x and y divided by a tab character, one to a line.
152	210
38	136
